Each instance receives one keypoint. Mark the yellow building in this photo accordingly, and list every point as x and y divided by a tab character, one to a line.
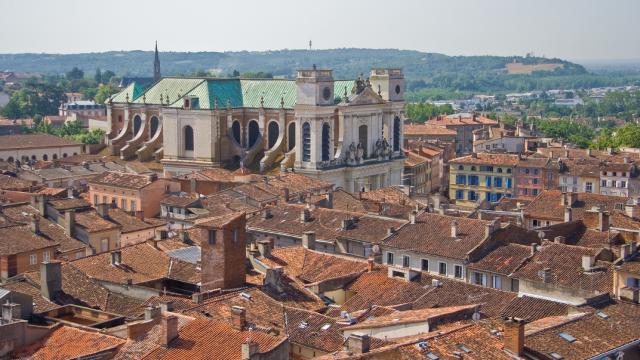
479	177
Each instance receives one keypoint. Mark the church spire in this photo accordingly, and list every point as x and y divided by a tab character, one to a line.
156	65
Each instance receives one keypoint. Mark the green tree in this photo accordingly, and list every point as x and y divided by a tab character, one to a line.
103	93
75	74
107	75
98	76
12	109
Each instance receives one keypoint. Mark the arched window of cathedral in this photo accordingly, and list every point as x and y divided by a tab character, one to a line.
45	157
188	138
326	134
291	136
254	132
363	138
306	142
396	134
274	130
10	159
55	156
235	131
154	126
137	123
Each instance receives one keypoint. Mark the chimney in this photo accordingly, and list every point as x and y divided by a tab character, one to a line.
625	160
370	264
193	185
309	240
390	231
39	202
559	240
70	194
166	306
152	312
514	336
285	194
329	196
412	216
454	229
11	311
567	214
631	209
116	258
534	248
489	229
103	210
249	349
69	221
563	199
305	215
603	221
625	251
168	330
345	224
35	225
570	199
184	236
359	343
266	214
238	317
587	262
50	279
264	247
546	275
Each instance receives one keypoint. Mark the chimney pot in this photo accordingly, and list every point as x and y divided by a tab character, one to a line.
249	349
69	221
412	216
370	264
305	215
587	262
35	225
264	247
568	214
559	240
454	229
534	248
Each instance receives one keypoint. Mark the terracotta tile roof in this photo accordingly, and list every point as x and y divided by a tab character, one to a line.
312	266
547	205
593	333
327	223
580	167
296	183
19	239
576	233
140	263
460	119
431	234
213	174
34	141
40	304
487	159
52	191
80	289
254	192
502	260
227	202
411	159
631	266
376	288
92	222
179	200
389	194
313	330
565	262
455	293
533	162
11	197
121	179
68	204
530	309
13	183
128	223
427	129
68	342
201	338
411	316
48	229
148	338
346	201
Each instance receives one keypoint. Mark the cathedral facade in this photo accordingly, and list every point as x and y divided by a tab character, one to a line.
347	132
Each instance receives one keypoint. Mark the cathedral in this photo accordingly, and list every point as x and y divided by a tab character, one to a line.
347	132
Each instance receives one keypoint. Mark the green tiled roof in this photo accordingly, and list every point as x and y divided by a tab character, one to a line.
239	92
171	87
134	90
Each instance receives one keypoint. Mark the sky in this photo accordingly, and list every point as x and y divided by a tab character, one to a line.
568	29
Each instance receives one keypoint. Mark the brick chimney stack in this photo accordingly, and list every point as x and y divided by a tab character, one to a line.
514	336
168	330
238	317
